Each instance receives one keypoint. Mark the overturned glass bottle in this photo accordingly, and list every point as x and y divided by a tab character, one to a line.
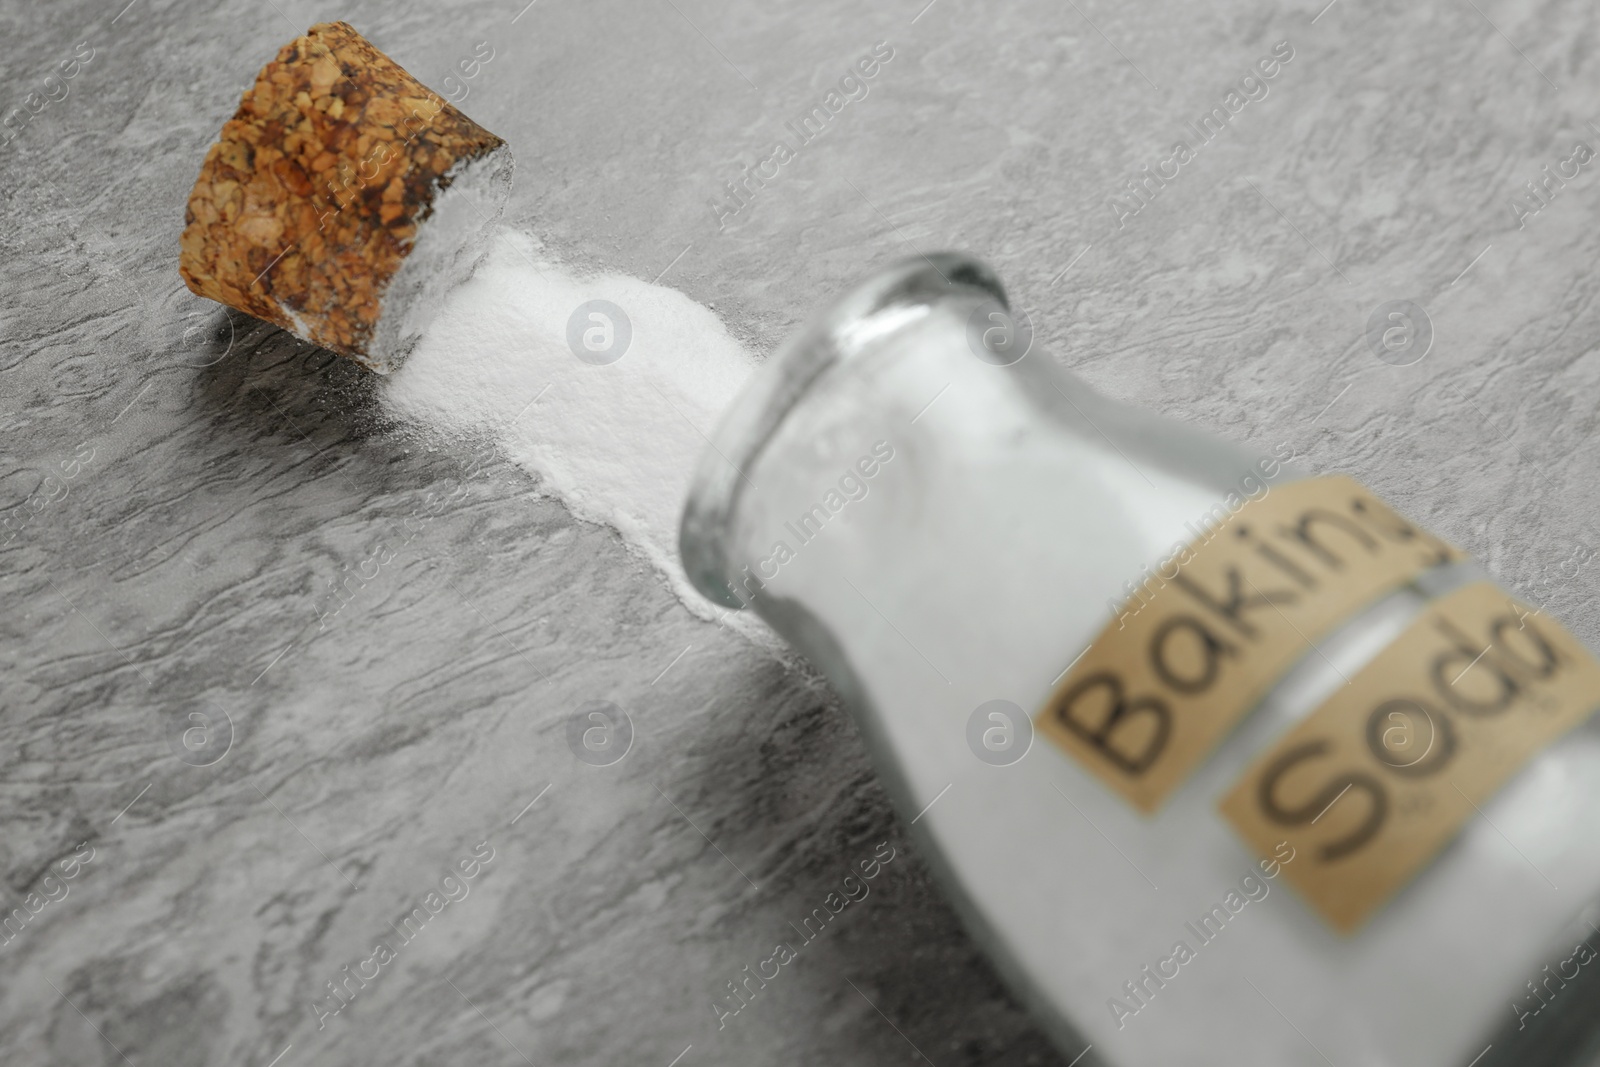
1126	680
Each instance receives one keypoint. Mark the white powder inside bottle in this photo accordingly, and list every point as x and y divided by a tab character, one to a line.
616	442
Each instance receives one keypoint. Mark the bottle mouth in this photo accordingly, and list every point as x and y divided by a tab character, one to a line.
836	336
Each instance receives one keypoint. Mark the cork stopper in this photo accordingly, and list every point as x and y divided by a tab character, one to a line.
314	196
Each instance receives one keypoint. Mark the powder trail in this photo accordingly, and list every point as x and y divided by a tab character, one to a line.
617	443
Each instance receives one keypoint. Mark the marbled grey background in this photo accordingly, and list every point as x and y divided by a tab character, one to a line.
174	581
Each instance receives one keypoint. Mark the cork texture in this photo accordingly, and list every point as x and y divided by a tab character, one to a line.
311	198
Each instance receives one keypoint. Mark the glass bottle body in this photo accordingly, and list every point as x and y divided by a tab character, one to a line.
938	532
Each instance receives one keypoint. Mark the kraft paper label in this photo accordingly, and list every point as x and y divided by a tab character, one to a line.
1218	623
1371	785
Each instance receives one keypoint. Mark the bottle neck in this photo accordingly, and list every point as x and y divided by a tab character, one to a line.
985	512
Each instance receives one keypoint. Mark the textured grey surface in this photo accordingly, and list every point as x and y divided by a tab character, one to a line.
175	529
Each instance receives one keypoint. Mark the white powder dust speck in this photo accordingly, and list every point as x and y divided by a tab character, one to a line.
617	442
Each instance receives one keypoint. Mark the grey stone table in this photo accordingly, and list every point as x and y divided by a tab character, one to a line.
268	789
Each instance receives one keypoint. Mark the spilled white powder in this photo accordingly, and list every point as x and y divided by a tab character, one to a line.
617	443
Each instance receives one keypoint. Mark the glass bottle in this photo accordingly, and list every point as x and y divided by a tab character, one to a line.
943	521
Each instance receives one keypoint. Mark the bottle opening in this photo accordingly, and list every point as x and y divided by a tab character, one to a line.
834	338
